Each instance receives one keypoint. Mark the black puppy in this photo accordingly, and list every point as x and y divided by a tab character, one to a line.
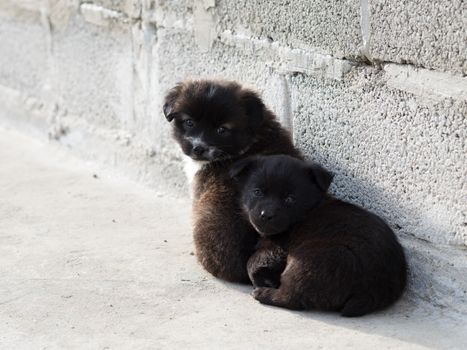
216	123
316	252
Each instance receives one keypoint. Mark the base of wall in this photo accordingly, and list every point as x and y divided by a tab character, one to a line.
436	272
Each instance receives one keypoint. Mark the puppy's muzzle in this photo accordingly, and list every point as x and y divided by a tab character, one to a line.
204	152
199	150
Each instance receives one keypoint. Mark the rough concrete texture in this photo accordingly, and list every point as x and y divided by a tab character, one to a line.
90	260
100	74
95	72
331	27
429	34
21	70
131	8
392	152
94	90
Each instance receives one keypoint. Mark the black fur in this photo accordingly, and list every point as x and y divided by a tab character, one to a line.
316	252
213	121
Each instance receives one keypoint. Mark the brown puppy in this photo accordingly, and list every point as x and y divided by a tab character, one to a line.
216	123
316	252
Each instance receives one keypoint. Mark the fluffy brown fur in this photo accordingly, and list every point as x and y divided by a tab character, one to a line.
218	123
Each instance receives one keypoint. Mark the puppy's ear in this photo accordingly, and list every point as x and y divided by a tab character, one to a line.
253	106
242	168
321	176
170	100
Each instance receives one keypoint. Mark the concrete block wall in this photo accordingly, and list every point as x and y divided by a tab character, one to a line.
374	90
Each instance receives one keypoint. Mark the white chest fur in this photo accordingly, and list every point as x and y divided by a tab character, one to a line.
191	167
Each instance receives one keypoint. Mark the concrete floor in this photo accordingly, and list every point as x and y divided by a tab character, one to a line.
91	261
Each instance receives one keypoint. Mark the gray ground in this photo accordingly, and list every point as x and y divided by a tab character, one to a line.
97	262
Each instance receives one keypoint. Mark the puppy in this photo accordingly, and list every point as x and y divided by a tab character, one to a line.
216	123
315	252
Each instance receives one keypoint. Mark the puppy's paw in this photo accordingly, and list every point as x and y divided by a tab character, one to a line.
271	283
265	277
263	294
264	282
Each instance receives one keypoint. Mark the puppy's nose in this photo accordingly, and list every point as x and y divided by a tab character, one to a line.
198	150
266	215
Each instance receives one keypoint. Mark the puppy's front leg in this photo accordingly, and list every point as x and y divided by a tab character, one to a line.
266	264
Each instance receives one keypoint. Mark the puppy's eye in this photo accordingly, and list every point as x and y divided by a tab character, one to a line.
289	200
189	123
257	192
222	130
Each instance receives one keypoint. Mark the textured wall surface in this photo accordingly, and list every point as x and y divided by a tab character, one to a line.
374	90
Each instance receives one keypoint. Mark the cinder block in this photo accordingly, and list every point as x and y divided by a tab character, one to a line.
24	11
93	73
24	54
223	61
394	152
430	34
331	27
131	8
